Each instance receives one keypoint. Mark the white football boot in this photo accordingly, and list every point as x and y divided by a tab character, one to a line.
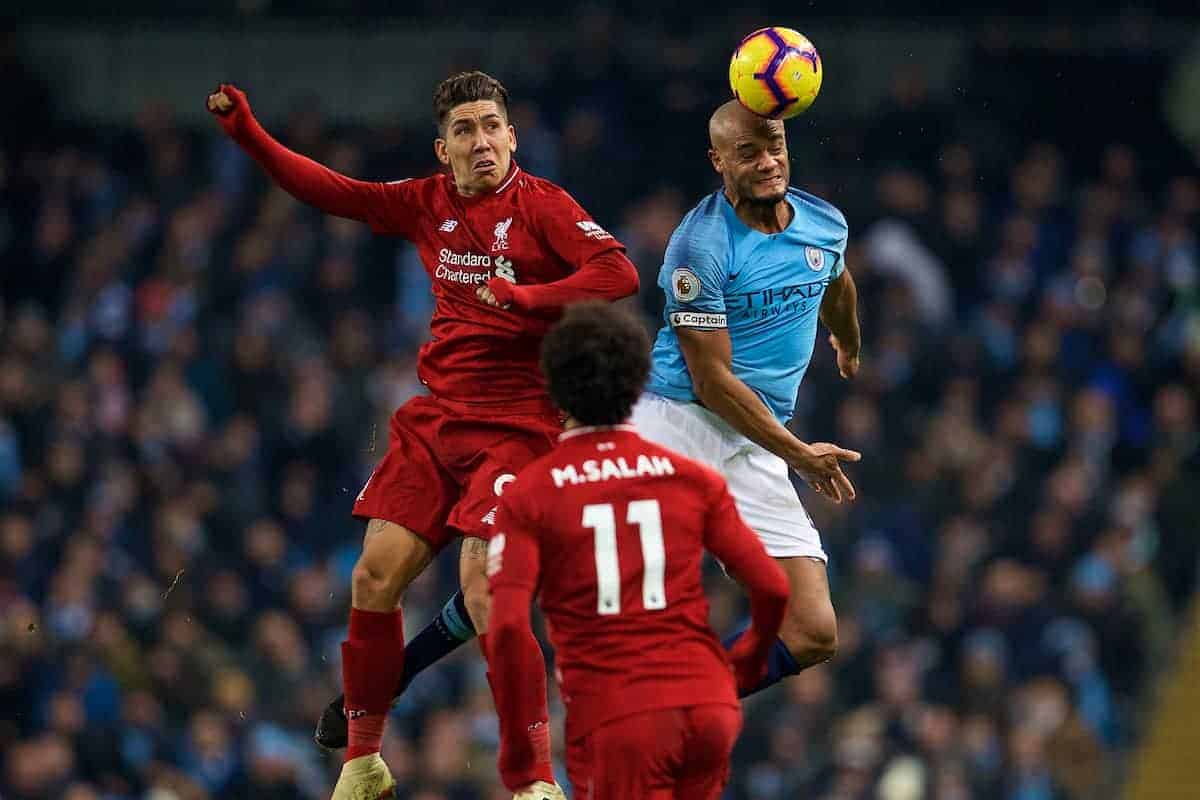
366	778
541	791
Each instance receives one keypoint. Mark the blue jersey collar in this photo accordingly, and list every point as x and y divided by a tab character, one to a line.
734	219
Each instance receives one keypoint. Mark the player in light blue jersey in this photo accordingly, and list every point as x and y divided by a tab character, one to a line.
747	274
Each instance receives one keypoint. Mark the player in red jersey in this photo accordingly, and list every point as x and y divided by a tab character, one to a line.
612	529
505	251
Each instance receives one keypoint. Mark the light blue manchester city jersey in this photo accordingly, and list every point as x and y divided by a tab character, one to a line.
765	288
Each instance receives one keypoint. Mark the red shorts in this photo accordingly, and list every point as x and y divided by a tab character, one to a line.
446	464
665	754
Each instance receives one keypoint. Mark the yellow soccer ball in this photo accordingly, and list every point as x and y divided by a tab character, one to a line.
775	72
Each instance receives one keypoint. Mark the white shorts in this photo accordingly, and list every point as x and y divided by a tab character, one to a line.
758	479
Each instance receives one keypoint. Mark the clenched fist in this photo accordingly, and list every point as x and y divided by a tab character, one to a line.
497	293
228	103
219	103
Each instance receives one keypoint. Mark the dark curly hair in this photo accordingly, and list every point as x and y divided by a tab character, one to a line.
596	360
466	87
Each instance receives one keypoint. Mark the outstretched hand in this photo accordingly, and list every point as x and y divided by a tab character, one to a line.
820	464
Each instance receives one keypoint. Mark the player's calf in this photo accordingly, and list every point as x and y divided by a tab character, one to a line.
449	630
373	653
377	583
808	635
810	640
809	630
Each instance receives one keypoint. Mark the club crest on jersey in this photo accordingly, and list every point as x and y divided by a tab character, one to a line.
815	258
685	284
501	233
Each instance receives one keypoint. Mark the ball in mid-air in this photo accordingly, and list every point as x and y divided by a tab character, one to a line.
775	72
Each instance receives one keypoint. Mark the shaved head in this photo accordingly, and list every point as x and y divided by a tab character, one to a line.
750	153
732	121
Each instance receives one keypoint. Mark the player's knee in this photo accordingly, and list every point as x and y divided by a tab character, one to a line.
823	642
375	587
811	638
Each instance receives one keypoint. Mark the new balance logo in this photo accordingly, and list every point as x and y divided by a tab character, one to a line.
592	230
490	517
448	225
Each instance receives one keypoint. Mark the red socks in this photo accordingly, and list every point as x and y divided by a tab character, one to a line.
525	738
372	663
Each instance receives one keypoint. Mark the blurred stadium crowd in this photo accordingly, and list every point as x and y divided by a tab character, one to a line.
196	372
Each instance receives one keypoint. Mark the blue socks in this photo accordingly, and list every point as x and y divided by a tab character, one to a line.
780	663
450	629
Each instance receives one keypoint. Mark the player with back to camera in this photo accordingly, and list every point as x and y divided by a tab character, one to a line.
747	274
610	530
505	252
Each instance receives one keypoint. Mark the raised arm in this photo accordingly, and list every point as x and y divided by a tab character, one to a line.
301	177
839	313
709	357
740	550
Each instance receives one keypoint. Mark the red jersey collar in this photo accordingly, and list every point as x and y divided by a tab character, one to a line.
513	171
584	429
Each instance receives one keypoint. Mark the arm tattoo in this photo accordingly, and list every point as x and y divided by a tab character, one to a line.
375	526
475	547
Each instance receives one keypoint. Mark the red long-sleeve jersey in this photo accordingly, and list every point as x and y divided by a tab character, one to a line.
535	245
613	530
